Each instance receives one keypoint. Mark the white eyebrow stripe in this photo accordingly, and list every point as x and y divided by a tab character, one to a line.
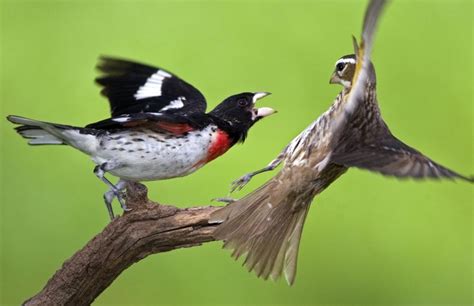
346	60
152	86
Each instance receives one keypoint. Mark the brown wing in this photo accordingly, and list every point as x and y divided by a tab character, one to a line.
365	140
392	157
364	74
368	143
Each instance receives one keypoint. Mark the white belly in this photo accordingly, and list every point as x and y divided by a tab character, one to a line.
146	155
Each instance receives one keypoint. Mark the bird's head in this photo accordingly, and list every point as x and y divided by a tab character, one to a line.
238	112
344	71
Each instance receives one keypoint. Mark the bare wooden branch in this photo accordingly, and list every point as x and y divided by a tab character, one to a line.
147	229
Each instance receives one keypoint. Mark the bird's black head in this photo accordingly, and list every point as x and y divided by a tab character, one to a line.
238	113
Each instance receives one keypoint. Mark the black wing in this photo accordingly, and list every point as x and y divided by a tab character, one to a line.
132	87
159	122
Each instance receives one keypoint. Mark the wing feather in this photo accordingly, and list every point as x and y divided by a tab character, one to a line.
166	123
133	87
363	73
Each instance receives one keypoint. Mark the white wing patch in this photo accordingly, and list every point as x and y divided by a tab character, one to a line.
124	118
178	103
152	86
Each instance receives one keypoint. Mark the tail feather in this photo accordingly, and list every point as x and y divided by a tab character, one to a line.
38	132
37	136
266	227
46	133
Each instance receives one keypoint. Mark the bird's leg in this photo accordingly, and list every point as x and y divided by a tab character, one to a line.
115	191
108	203
242	181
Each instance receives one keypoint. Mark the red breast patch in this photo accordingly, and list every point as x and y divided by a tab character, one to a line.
219	145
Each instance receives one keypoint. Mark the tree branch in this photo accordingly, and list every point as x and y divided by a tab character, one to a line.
147	229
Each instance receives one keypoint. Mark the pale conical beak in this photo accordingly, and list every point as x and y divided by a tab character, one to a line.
334	79
259	95
262	111
265	111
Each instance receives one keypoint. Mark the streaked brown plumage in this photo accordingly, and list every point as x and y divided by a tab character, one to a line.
266	225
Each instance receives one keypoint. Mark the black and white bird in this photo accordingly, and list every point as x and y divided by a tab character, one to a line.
158	129
266	225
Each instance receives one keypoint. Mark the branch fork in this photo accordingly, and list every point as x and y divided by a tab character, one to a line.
149	228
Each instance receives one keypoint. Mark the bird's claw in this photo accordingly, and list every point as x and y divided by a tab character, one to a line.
240	183
224	200
121	197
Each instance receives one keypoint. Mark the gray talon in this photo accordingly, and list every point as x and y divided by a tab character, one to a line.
121	198
240	183
224	200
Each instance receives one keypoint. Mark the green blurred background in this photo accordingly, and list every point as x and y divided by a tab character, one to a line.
368	239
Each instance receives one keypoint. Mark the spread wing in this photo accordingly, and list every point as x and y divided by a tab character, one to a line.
132	87
364	73
364	70
382	152
365	141
170	123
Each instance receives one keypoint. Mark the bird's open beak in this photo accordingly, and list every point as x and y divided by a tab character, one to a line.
261	111
334	79
259	95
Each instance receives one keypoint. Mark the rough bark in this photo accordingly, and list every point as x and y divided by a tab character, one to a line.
148	228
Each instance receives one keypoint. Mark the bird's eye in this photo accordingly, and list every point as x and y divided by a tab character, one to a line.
243	102
340	66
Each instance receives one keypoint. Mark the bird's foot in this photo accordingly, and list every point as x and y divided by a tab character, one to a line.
240	183
122	198
119	192
224	200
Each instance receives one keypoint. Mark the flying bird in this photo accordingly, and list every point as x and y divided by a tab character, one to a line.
158	129
266	225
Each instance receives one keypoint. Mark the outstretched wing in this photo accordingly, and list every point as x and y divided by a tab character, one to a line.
365	140
132	87
364	73
382	152
160	122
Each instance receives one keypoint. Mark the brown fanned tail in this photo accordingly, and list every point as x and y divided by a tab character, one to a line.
266	226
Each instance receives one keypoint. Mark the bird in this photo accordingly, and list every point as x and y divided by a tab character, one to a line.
158	129
266	225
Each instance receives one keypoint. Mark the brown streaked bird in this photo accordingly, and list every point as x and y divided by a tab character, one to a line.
266	225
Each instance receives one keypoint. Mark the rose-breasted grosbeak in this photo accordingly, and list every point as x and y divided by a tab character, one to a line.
266	225
158	130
